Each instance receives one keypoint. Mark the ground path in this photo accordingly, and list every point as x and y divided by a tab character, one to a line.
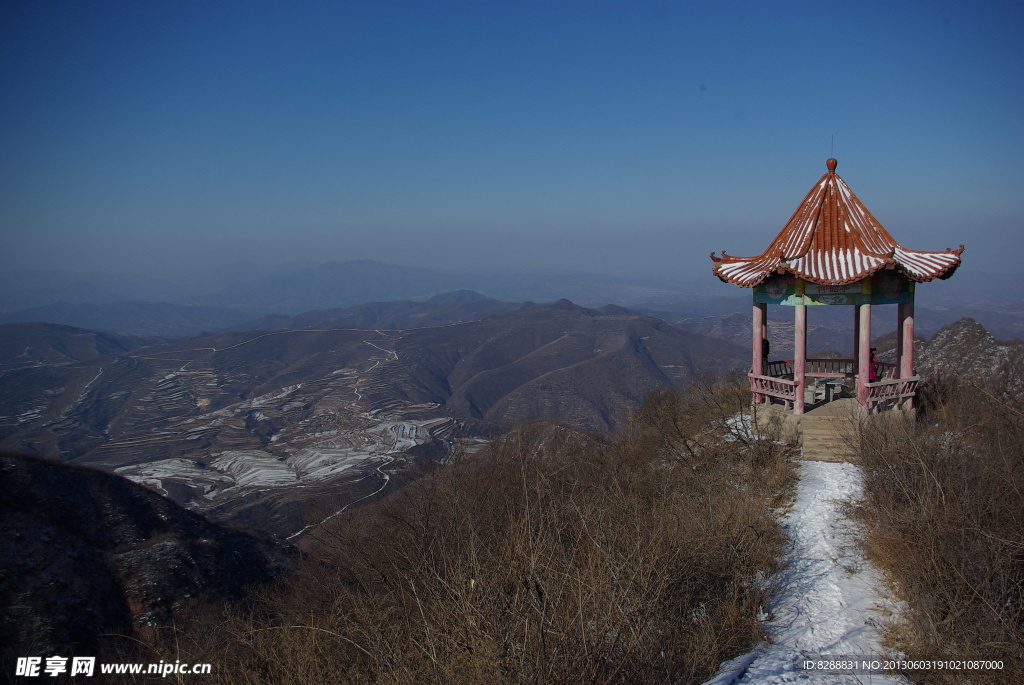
829	603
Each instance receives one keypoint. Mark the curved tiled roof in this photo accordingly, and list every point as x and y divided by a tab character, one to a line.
832	238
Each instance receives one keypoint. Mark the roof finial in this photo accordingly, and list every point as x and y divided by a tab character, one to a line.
831	164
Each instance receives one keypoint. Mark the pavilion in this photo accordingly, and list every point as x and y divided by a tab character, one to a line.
833	252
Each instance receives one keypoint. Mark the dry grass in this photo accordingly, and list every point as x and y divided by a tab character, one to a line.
552	557
945	515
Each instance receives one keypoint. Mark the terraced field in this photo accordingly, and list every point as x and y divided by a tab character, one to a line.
282	429
166	418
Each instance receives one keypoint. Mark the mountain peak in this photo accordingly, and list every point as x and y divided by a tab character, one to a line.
568	306
457	296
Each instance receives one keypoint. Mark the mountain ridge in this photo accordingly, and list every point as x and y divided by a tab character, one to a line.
290	291
210	420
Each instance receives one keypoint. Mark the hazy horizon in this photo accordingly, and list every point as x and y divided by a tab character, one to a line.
613	138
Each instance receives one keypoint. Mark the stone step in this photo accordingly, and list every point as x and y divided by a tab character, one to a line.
822	430
825	438
826	453
819	438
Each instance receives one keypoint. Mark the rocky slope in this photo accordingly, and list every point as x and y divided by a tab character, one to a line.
968	349
85	553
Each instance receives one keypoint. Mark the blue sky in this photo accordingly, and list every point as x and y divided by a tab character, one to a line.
630	138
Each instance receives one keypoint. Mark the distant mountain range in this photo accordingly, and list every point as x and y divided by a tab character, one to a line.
234	300
265	426
462	305
133	318
151	320
330	285
247	297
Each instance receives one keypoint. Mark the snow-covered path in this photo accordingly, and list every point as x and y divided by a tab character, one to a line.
828	604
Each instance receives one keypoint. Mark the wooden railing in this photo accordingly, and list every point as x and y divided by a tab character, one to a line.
894	390
887	390
829	368
819	368
778	369
886	371
782	388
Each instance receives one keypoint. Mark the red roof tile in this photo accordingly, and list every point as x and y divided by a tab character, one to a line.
832	238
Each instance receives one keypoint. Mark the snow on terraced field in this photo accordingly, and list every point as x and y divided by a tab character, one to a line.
240	470
255	468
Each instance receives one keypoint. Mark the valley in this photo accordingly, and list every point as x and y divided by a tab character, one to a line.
281	429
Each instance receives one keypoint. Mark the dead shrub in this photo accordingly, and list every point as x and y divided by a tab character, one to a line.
944	510
552	556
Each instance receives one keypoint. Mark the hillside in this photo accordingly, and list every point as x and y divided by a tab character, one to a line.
967	349
275	428
548	556
85	553
583	366
33	345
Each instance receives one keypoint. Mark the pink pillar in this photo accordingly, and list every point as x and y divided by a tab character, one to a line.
758	330
907	339
899	342
800	356
856	337
764	325
863	357
907	344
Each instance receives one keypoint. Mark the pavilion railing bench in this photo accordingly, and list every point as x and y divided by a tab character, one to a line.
779	383
783	389
828	368
891	393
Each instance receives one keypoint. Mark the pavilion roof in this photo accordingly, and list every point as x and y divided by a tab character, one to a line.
832	238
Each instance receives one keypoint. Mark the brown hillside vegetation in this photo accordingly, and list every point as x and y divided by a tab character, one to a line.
84	553
553	556
944	510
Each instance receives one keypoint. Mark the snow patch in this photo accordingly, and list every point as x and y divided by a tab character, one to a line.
829	603
255	468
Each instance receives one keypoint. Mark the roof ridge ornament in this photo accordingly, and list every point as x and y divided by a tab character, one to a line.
831	163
